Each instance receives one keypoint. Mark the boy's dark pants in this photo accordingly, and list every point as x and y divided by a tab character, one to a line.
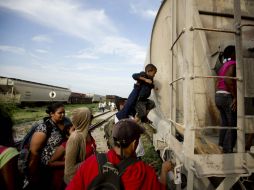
129	106
143	107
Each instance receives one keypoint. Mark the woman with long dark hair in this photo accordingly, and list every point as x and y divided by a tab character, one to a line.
47	136
226	100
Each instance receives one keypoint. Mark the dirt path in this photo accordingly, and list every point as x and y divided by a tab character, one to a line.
101	143
98	135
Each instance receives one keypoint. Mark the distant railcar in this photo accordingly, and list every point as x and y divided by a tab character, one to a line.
112	98
22	91
97	98
79	98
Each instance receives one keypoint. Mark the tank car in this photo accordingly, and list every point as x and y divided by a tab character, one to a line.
22	91
186	41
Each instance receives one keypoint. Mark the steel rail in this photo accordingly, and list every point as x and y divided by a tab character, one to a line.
215	127
177	39
100	114
244	25
213	30
94	126
227	15
223	77
176	80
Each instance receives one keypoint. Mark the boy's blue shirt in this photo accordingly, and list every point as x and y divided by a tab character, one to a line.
141	91
145	88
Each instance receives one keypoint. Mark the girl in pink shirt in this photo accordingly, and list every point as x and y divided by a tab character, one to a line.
225	100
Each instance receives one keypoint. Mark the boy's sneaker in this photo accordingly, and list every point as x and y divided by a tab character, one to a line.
146	120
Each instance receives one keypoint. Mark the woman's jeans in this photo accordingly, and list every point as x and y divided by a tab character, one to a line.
227	137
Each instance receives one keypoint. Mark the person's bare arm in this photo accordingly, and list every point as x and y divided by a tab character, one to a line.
37	142
57	158
10	174
216	84
231	85
165	168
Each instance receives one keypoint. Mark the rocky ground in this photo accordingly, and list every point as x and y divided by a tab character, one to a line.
20	130
101	143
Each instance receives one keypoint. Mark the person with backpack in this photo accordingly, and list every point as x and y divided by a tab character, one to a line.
48	135
119	168
9	178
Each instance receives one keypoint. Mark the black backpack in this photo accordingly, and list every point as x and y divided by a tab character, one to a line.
109	177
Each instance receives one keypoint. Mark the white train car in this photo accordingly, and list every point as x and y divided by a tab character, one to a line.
187	38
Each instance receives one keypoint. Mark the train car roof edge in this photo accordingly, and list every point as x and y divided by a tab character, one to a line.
35	83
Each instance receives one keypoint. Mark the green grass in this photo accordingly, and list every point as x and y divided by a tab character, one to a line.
151	157
21	115
26	114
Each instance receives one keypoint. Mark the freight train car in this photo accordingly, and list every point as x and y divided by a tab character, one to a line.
112	98
187	38
96	98
22	91
79	98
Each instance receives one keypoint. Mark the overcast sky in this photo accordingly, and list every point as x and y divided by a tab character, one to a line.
88	46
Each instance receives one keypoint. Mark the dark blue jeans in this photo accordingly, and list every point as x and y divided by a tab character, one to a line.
129	106
227	137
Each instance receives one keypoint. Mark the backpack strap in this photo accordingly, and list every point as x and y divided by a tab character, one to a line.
124	164
101	159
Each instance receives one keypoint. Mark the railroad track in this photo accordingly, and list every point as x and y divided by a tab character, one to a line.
98	124
100	114
98	132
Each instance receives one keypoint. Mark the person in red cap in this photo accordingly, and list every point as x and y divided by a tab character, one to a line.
138	175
